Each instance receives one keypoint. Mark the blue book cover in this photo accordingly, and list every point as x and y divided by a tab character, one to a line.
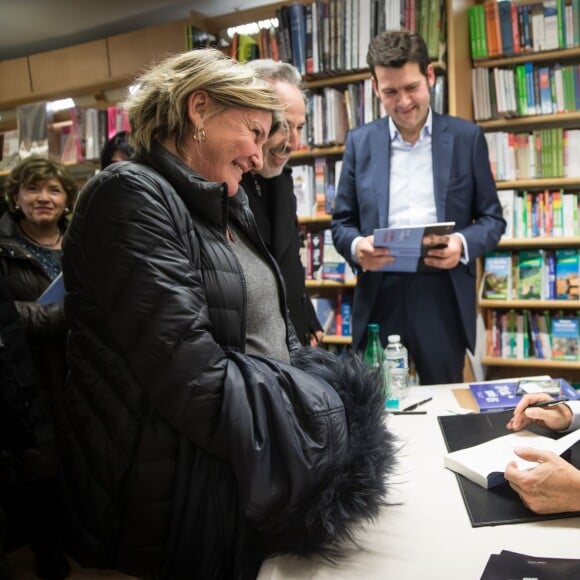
495	396
503	395
505	21
565	338
54	293
410	244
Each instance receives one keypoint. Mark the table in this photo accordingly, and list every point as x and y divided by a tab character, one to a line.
428	535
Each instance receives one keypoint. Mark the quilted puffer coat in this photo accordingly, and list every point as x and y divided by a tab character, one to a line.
184	457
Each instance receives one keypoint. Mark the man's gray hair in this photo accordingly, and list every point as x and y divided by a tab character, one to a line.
273	71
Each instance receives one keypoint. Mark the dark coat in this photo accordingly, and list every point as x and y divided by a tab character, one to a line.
182	456
45	325
17	377
274	208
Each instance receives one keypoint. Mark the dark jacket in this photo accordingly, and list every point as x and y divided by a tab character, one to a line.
45	325
273	204
184	457
17	377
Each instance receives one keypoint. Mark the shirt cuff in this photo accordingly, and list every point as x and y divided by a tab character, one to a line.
575	408
465	256
353	249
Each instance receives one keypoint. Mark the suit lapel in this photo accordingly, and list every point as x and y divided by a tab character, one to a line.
442	153
381	155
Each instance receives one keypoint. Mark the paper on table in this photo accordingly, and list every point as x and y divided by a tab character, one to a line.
485	464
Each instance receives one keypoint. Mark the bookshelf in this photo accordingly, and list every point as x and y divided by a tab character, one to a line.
563	181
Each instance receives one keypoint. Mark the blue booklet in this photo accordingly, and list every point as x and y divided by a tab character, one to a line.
503	395
410	244
54	293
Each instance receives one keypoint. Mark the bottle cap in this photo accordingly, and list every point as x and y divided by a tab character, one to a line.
394	338
373	327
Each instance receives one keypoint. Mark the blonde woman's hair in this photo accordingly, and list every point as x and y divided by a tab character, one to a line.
158	108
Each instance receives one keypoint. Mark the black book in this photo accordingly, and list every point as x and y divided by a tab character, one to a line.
500	505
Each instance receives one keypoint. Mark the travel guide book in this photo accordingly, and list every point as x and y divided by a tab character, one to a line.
410	244
485	464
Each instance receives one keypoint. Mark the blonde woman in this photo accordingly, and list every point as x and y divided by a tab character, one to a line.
195	446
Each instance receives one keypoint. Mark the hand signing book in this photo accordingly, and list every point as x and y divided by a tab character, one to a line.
553	486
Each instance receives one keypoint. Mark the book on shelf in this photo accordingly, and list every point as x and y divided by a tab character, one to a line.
565	337
485	464
507	200
497	275
530	274
567	274
410	244
303	186
325	309
333	263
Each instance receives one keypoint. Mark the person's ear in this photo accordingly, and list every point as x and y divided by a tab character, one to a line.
375	87
197	107
430	75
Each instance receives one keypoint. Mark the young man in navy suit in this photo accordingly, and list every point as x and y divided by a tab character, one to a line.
416	167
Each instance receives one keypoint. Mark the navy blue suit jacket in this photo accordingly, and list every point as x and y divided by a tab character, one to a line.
464	193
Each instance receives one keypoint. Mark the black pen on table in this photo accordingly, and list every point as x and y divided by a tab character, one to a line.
410	410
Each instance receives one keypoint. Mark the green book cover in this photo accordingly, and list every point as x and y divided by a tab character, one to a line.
530	278
497	275
521	89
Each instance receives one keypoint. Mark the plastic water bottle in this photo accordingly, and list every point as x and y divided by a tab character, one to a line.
374	355
397	363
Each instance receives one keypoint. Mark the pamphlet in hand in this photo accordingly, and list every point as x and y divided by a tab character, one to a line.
54	293
485	464
410	244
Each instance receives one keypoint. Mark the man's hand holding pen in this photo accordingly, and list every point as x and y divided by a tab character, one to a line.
556	417
552	486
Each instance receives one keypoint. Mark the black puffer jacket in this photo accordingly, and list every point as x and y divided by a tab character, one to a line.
45	325
184	457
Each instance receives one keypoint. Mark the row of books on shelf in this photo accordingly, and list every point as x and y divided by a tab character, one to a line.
334	111
508	28
544	153
334	35
315	186
524	90
523	334
79	139
334	314
541	214
321	260
532	275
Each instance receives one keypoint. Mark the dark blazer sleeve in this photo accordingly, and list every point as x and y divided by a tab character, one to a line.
345	224
486	225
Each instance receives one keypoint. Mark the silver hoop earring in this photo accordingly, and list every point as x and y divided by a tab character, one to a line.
17	207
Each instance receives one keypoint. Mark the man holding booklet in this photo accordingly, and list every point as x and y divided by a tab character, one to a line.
416	168
554	485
